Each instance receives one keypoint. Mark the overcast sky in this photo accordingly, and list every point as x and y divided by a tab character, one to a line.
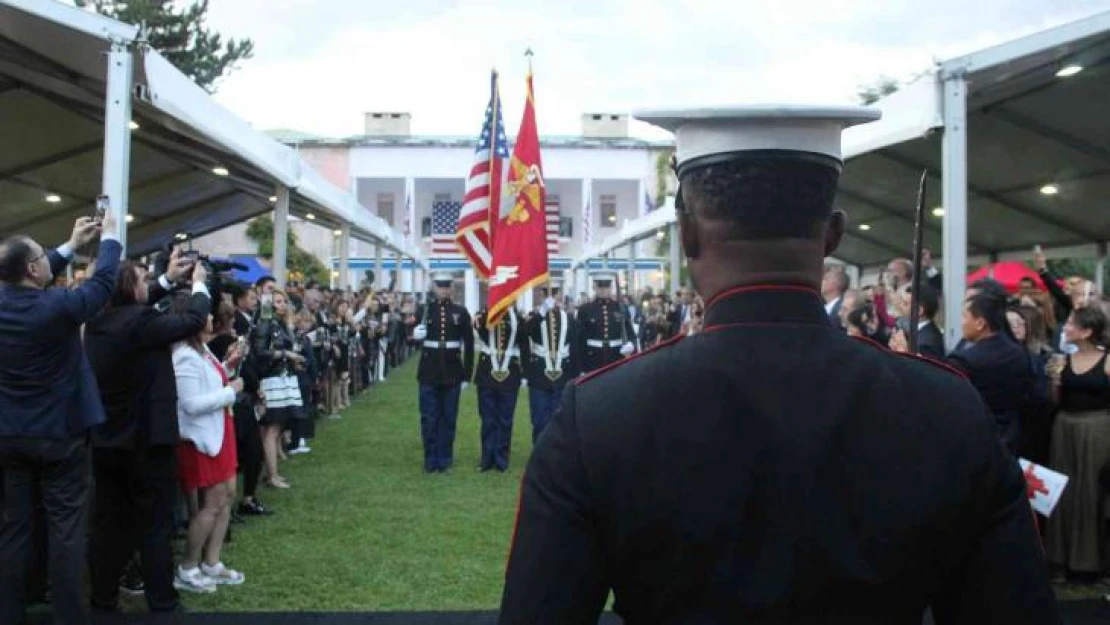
320	64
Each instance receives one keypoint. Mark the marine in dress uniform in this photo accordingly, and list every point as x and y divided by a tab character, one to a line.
771	469
605	329
553	341
503	350
446	360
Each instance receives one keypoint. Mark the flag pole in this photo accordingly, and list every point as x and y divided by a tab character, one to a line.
494	210
528	54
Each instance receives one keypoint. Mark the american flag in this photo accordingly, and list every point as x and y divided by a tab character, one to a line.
445	216
483	187
553	216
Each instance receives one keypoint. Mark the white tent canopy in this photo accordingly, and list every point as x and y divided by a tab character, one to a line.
54	82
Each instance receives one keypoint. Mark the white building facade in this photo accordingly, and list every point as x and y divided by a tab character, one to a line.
604	169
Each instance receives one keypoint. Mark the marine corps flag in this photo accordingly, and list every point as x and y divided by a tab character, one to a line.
520	231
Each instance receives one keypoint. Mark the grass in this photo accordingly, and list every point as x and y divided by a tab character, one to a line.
364	529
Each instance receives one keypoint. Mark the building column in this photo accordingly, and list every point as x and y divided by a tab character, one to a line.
632	271
470	290
675	260
379	268
954	232
345	256
1100	268
281	234
116	174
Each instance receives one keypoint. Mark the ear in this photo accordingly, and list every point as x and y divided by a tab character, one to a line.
834	230
688	234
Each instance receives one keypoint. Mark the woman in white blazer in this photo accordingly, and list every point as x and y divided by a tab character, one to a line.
206	456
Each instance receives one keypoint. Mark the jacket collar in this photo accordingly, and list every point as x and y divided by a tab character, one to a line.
766	303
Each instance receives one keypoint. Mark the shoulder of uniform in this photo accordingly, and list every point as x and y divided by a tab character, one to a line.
943	366
611	366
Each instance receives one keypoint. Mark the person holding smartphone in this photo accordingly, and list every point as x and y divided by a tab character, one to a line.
273	344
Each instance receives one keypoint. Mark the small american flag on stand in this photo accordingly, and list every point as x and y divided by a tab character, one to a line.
553	217
445	218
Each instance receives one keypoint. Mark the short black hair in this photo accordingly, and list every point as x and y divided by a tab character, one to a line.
929	300
772	195
860	316
990	308
15	255
261	282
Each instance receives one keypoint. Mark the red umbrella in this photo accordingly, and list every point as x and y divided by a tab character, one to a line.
1009	273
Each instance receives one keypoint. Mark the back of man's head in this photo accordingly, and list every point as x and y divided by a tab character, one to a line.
15	255
929	301
764	199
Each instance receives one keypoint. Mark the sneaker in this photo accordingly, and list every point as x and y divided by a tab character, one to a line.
192	580
131	582
254	508
220	574
300	448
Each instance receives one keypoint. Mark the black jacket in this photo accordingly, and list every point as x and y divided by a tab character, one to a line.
508	344
130	350
538	369
773	470
447	353
1000	369
930	341
603	328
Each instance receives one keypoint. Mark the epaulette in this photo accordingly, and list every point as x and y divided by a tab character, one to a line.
926	359
613	365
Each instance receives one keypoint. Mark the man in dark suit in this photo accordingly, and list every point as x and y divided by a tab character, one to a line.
134	451
833	286
998	366
48	402
930	340
771	469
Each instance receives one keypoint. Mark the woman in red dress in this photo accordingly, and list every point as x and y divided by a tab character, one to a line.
206	456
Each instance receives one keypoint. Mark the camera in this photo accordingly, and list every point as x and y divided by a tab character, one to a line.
215	268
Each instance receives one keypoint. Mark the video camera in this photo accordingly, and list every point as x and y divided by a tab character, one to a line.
217	270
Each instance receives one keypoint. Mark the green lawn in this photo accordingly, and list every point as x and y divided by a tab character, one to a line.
363	528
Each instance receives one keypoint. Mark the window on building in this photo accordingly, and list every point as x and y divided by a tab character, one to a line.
566	227
607	206
385	207
426	227
597	118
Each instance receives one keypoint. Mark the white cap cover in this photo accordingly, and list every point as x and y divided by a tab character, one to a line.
703	133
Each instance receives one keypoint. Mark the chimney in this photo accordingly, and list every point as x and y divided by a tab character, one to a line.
388	124
605	125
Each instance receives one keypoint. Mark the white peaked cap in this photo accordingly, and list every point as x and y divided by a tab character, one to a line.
443	276
707	135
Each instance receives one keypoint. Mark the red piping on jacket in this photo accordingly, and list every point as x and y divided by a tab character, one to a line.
628	359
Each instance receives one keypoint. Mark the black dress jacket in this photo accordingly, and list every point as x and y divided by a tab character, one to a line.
770	469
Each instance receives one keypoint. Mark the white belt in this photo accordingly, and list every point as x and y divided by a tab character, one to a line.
541	351
512	352
598	343
443	345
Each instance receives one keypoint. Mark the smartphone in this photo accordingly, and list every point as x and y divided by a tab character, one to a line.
102	203
267	303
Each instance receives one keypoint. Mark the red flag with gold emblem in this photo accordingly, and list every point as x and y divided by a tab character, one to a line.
520	234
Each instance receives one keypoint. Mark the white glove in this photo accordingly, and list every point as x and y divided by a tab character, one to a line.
627	349
420	332
523	383
464	385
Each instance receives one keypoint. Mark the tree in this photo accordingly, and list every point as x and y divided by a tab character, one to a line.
298	261
180	35
662	172
883	86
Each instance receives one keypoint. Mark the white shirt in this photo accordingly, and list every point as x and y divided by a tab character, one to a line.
832	304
